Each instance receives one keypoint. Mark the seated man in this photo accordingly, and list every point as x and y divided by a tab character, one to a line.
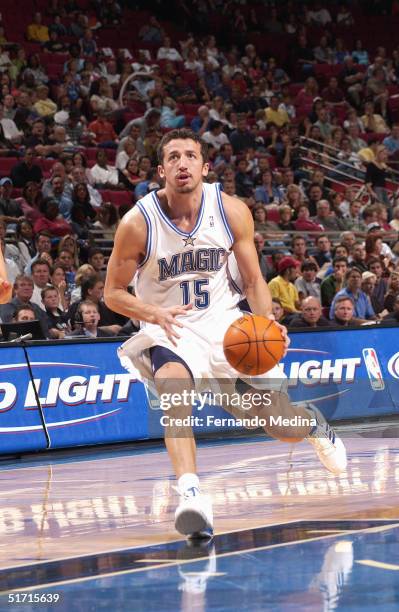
93	291
37	31
23	291
282	286
310	316
86	322
362	304
307	284
334	282
24	313
393	317
344	309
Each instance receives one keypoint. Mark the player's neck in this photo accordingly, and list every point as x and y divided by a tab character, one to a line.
181	204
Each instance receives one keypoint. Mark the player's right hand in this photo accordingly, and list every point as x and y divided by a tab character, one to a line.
166	318
5	291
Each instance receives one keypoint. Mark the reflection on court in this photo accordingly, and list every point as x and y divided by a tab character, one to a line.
287	531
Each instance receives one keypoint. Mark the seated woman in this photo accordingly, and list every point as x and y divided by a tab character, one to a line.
107	220
30	201
131	175
81	197
25	242
262	225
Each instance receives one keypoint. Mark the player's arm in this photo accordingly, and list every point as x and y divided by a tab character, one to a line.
128	252
242	226
5	286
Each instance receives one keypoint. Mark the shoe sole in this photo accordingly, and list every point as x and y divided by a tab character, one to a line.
193	524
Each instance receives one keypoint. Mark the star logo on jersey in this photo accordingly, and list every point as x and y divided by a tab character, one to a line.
189	241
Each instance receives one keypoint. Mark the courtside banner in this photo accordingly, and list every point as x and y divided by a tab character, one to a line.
88	398
20	425
347	374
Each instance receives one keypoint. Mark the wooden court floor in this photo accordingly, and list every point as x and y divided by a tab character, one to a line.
69	506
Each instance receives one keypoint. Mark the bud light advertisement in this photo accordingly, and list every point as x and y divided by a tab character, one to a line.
88	398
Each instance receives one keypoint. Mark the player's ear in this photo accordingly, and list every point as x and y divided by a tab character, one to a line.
205	169
161	171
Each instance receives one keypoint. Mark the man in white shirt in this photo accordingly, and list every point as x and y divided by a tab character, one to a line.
166	52
319	15
101	173
11	132
215	136
41	278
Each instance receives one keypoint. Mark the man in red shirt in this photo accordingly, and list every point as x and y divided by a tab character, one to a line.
103	132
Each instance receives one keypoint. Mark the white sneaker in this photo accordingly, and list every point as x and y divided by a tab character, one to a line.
193	516
329	448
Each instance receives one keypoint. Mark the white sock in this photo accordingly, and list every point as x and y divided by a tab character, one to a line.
187	483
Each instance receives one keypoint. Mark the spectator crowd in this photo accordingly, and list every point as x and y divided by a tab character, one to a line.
309	139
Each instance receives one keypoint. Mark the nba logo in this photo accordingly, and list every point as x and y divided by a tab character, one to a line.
211	221
373	369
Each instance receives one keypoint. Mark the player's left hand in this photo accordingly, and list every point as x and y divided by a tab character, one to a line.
284	333
5	291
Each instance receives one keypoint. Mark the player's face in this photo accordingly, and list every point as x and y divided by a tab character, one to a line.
183	167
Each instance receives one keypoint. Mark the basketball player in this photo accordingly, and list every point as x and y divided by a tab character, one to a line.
5	286
176	242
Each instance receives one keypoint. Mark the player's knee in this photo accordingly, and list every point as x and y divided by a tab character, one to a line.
172	375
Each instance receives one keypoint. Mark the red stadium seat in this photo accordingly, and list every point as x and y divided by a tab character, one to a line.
6	164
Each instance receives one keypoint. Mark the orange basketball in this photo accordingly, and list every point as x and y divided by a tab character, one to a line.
253	344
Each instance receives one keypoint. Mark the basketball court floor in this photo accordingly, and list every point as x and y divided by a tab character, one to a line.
93	529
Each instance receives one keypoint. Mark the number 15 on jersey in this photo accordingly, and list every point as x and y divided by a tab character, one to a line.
201	300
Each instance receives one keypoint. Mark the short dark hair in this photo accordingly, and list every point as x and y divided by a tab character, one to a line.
181	134
23	307
40	262
46	290
343	298
94	251
89	283
44	233
322	236
308	265
351	271
338	259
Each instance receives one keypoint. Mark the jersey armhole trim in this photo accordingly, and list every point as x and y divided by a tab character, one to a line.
223	214
235	286
148	245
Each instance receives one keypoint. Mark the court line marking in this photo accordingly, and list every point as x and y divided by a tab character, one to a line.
186	561
378	564
149	545
219	533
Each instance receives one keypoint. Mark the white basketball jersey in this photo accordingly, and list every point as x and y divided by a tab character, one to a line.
188	268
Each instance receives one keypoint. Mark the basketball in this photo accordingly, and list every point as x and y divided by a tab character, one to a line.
253	344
